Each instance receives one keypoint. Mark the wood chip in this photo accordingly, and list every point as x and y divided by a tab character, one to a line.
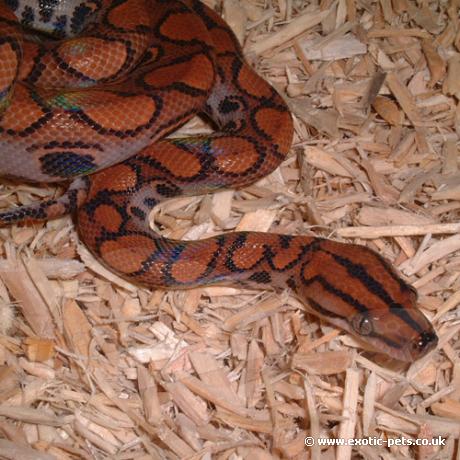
300	24
405	98
388	110
92	366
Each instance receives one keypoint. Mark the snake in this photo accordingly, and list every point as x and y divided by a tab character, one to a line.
89	90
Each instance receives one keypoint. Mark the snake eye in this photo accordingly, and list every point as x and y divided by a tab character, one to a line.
362	324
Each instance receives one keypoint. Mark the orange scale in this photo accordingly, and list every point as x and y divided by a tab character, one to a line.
285	256
193	262
247	82
178	162
184	27
222	41
250	254
108	217
202	76
130	14
158	78
268	120
127	253
94	57
310	269
121	178
104	109
234	155
198	72
9	65
22	112
29	52
154	52
7	13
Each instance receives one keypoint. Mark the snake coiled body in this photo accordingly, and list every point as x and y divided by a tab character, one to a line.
94	108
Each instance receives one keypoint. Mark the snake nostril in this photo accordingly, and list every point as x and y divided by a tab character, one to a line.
426	341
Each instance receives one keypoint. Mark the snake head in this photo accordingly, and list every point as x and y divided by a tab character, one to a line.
357	290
